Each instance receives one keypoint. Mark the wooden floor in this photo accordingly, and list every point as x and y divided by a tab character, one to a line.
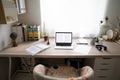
23	76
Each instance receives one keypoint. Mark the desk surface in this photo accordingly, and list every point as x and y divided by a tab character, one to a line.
19	51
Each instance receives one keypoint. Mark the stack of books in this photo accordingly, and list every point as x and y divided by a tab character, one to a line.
26	33
33	33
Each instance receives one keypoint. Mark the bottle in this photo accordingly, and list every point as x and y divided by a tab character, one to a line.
92	42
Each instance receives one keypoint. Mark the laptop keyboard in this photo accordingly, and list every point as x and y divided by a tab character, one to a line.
64	47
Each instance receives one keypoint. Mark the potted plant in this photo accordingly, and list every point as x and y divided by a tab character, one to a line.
45	36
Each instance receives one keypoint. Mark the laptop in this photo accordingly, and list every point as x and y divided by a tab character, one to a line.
63	40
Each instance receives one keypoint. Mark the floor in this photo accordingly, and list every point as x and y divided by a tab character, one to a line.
23	76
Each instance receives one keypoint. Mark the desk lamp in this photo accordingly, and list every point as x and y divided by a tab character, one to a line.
13	36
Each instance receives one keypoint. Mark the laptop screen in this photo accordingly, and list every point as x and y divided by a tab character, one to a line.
63	38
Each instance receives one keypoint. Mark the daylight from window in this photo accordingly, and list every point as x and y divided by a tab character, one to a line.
82	17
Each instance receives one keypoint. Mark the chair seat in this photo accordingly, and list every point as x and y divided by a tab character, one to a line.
63	72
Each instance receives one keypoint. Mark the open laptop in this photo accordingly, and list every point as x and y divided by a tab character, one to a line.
63	40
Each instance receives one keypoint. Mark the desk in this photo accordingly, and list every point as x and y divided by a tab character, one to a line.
19	51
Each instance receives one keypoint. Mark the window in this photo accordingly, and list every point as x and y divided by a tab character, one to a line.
21	6
82	17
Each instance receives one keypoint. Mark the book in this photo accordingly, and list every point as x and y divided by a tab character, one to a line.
34	49
36	33
82	42
30	34
33	33
24	28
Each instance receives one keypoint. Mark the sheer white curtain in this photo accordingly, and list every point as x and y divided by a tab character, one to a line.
82	17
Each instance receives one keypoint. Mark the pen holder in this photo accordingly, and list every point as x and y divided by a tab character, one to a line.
45	38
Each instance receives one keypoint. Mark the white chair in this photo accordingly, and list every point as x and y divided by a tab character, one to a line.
40	72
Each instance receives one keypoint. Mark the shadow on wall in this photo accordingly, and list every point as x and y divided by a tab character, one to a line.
113	11
5	31
32	15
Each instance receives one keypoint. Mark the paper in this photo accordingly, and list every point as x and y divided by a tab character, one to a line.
83	49
43	46
82	41
34	49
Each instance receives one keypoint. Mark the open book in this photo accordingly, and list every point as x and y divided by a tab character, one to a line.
34	49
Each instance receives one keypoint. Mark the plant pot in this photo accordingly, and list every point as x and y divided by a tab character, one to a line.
45	38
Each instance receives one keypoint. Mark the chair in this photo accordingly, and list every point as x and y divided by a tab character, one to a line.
40	72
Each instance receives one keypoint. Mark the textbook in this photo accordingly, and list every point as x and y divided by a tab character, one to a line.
34	49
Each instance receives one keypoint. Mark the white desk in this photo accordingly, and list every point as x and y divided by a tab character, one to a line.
19	51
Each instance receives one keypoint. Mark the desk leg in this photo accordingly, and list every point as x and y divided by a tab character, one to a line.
10	62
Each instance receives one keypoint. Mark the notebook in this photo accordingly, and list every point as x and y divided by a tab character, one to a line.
63	40
34	49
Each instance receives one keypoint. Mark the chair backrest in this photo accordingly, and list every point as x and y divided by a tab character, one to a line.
39	73
87	73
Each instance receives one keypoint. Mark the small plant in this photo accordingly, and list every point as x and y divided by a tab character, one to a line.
45	36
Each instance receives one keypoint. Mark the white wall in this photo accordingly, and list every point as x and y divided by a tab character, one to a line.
32	15
5	40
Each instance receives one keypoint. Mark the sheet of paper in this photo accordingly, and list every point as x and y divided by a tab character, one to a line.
82	41
83	49
43	46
